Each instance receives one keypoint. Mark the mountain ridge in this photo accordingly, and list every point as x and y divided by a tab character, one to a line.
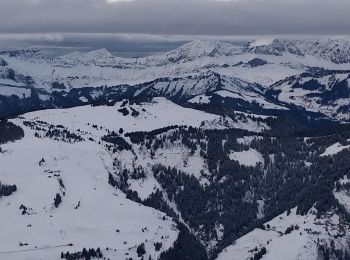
184	73
335	50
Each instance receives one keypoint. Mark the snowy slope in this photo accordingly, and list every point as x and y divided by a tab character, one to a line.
334	149
92	213
327	92
201	48
250	157
155	114
342	193
301	242
94	122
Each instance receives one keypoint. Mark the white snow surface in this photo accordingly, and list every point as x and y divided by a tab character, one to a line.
83	168
20	92
250	157
158	113
91	211
334	149
300	244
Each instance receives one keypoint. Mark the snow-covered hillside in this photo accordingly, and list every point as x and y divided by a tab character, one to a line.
334	149
90	213
295	236
289	236
73	164
144	116
133	175
327	92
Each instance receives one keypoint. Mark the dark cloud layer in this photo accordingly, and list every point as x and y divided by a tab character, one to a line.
176	16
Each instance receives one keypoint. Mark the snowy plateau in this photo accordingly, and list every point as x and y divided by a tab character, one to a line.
209	151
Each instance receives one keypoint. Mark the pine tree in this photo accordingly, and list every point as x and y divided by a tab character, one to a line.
141	250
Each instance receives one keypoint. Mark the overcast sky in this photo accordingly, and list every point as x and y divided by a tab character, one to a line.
205	17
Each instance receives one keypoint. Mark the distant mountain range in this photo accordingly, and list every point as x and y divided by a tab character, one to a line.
268	74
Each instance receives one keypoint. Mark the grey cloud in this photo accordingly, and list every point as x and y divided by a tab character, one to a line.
176	16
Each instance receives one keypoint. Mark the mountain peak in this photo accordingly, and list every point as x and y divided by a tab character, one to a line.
261	42
203	44
100	54
201	48
87	57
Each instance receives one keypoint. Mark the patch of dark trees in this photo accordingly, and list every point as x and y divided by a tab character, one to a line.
138	137
57	200
7	190
10	132
156	201
85	254
186	247
55	132
230	198
14	105
119	142
140	250
256	62
284	182
58	85
60	133
3	63
330	252
259	254
125	111
25	210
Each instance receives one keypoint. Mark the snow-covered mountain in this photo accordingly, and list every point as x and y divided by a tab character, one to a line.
93	57
63	200
335	50
209	151
66	173
201	48
322	91
196	68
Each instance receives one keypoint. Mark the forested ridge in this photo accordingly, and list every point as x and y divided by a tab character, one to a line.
292	174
